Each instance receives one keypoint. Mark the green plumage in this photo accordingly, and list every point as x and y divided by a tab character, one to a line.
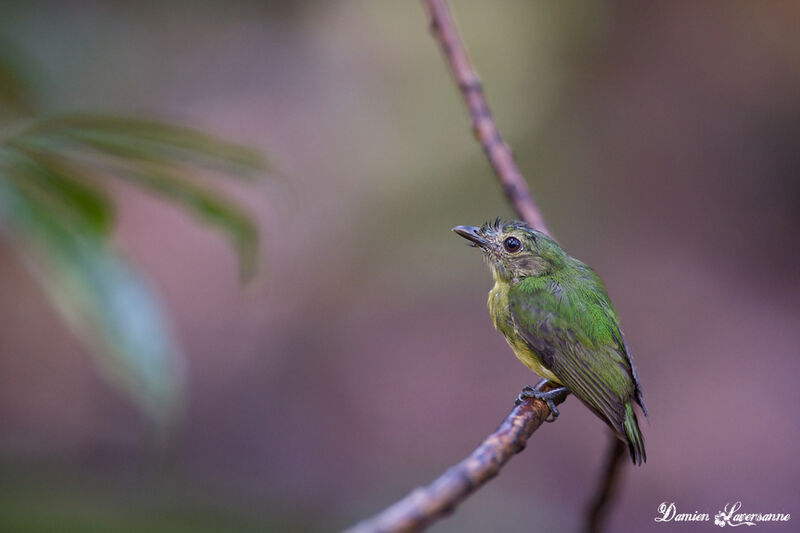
557	317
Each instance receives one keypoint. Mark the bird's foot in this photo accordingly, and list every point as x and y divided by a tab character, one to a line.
550	397
520	398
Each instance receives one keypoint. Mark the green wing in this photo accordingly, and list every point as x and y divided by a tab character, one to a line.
573	328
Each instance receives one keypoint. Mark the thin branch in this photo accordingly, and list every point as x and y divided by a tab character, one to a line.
607	489
425	505
483	125
514	186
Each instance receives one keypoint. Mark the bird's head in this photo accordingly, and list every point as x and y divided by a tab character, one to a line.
514	250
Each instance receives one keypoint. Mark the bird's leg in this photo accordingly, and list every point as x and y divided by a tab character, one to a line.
550	397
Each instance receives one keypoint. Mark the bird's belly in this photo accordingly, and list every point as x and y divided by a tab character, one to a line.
498	309
531	360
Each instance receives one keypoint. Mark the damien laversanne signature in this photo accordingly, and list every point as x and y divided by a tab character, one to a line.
728	516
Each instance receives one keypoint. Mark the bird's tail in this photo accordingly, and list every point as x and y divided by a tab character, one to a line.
634	436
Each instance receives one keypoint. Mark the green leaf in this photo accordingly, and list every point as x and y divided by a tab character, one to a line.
150	154
104	300
152	141
61	184
52	203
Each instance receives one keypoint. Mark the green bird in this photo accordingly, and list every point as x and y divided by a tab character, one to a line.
556	315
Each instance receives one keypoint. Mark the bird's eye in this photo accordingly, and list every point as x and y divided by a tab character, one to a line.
512	244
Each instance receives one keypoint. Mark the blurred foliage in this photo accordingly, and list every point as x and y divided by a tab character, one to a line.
29	502
16	80
56	208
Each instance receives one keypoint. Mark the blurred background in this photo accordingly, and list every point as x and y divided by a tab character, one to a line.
662	142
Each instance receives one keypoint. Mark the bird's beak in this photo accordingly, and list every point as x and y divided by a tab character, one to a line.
472	233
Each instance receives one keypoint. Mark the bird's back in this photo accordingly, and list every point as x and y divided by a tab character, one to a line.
567	322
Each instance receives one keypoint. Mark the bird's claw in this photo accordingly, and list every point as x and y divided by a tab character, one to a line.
549	397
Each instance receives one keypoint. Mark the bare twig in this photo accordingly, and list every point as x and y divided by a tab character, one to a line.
606	490
427	504
483	125
424	505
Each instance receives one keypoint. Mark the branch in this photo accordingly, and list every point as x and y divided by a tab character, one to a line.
425	505
607	489
483	125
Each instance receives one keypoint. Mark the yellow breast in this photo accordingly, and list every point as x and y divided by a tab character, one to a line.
498	309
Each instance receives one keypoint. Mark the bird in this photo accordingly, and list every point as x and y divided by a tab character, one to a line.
556	315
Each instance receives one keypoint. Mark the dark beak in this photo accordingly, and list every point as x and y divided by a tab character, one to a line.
471	233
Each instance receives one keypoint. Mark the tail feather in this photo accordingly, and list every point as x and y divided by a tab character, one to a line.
634	436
